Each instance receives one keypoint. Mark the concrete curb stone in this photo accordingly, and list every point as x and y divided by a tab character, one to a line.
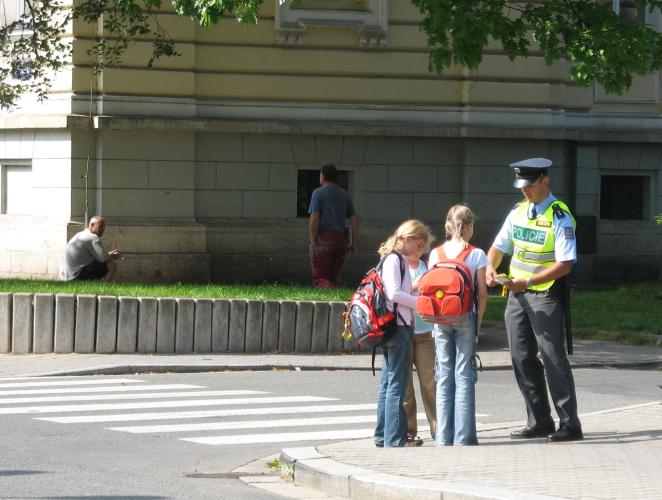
319	340
106	340
310	468
220	325
254	316
184	329
86	315
165	325
5	322
304	324
270	326
44	322
237	330
287	326
148	313
65	323
127	325
202	326
22	313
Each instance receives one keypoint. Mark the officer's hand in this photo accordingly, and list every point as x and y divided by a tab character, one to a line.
490	276
516	286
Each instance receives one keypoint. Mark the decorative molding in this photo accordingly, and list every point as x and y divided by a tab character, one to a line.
292	23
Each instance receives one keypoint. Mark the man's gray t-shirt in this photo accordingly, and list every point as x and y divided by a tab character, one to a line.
83	249
334	206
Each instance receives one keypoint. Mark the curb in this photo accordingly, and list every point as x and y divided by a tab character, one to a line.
311	469
198	368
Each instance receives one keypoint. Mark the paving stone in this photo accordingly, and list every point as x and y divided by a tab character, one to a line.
320	331
220	324
287	326
304	327
127	325
86	316
185	325
22	323
106	325
44	322
254	326
237	331
5	322
336	325
165	326
202	329
65	323
270	315
148	313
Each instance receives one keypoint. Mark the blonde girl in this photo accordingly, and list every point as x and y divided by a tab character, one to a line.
408	239
456	345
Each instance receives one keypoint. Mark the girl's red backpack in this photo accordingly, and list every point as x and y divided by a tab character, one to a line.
446	291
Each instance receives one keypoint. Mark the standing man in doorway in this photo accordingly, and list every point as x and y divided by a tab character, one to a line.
85	258
330	206
539	233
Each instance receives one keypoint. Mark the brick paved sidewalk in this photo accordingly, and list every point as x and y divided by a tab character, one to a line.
619	458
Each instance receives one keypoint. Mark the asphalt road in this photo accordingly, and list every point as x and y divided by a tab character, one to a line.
89	440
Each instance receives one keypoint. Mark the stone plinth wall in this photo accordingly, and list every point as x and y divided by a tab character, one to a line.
45	323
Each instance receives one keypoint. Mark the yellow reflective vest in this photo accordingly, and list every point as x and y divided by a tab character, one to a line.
533	242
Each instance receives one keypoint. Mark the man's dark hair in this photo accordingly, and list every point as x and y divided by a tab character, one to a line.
330	172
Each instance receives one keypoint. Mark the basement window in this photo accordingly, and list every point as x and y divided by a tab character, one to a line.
308	181
624	197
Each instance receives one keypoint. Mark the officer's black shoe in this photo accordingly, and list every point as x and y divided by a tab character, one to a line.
533	432
565	433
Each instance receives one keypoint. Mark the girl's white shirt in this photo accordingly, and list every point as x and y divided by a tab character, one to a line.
398	291
475	260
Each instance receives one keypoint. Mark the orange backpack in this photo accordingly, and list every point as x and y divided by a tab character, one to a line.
446	291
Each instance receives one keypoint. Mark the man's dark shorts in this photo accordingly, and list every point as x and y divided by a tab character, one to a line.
94	271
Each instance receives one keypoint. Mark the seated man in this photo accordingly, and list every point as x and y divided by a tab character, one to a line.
85	257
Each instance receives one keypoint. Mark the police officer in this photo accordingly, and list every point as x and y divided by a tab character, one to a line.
539	234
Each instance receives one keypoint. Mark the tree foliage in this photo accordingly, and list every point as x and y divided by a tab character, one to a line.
600	45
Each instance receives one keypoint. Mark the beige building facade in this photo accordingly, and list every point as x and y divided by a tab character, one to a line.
202	164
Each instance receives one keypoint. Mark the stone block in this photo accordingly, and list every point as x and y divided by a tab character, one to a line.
171	174
130	174
253	326
437	152
651	155
303	147
320	329
270	204
148	313
147	145
165	326
587	205
86	316
354	150
481	179
449	179
629	156
218	203
434	206
202	328
65	323
390	151
608	156
387	206
205	175
22	314
273	148
412	178
336	326
5	322
375	177
44	322
127	325
242	176
106	325
220	324
218	147
287	326
329	149
185	324
237	330
282	177
270	314
588	181
587	156
304	327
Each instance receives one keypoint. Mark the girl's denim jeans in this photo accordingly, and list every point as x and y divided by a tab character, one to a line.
456	376
391	427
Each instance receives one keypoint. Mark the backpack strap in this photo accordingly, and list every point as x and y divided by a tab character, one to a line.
402	277
465	253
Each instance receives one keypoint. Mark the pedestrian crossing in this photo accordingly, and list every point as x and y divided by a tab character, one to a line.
190	413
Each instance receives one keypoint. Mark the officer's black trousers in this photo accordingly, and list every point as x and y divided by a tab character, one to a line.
534	322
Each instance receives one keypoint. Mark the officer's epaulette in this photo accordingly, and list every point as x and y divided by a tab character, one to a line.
558	211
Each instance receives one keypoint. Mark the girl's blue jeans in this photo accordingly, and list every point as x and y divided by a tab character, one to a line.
391	427
455	373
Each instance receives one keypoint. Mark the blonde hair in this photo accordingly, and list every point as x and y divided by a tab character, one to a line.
409	229
458	218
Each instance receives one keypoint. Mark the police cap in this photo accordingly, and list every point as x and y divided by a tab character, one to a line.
529	171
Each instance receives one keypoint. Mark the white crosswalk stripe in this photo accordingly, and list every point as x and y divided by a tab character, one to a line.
235	412
255	412
148	395
84	390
